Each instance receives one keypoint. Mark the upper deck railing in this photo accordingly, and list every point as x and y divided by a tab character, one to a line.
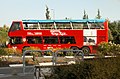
64	24
63	21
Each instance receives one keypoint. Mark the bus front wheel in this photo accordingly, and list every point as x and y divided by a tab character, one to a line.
86	50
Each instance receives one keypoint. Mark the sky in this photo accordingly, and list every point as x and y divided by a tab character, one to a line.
12	10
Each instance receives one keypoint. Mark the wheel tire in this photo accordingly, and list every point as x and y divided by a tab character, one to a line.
74	48
86	50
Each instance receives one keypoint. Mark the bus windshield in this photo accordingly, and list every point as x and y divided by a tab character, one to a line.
15	26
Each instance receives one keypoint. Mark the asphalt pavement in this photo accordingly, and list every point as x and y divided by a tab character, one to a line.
16	73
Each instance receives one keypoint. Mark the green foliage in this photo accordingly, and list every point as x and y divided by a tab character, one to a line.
78	71
47	13
3	34
110	36
32	48
2	52
108	49
98	15
85	16
9	51
89	69
115	30
106	68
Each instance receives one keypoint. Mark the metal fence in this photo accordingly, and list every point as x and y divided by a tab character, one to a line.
54	57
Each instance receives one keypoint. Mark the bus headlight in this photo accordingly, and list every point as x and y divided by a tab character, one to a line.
14	47
24	39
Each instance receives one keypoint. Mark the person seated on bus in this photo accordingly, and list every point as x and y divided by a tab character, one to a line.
91	41
31	41
99	26
52	27
62	41
69	42
93	27
85	26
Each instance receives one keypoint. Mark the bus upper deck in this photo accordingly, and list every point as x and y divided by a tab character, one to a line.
64	24
58	24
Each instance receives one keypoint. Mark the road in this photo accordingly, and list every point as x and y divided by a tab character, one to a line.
16	73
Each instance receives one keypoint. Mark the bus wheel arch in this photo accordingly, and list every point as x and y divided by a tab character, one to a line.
86	50
74	48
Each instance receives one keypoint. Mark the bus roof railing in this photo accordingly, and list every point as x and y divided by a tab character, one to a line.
63	21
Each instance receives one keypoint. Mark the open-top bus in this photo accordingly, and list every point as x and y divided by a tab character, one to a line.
83	34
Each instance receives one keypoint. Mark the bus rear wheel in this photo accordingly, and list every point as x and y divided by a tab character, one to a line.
86	50
75	48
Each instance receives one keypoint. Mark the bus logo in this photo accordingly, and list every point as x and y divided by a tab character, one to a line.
34	33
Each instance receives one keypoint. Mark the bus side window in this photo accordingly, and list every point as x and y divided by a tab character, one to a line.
16	40
50	40
25	26
67	40
85	26
63	41
93	26
11	40
34	40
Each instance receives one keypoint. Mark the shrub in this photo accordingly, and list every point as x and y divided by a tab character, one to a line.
2	51
106	68
10	51
32	48
17	52
89	69
64	53
108	49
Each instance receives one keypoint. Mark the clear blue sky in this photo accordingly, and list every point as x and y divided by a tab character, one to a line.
35	9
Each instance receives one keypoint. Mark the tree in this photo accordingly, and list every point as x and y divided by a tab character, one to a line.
5	28
114	27
3	34
110	35
85	16
118	26
47	13
98	15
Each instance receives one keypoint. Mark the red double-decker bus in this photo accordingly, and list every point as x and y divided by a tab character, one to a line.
83	34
